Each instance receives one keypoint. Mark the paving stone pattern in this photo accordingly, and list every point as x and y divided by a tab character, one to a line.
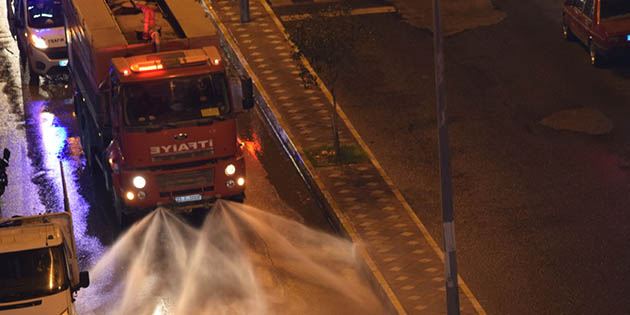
410	265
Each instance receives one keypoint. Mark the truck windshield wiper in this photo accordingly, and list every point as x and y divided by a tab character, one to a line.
154	128
209	120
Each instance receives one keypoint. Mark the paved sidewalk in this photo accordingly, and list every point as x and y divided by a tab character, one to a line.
403	259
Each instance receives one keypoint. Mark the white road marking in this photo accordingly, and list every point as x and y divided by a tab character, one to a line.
362	11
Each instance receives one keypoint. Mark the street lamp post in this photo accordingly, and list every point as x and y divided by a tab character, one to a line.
244	10
450	263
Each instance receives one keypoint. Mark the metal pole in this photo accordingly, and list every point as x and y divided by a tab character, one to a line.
244	9
450	263
66	203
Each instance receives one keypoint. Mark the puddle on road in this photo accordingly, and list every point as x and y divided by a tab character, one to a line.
241	261
38	140
54	146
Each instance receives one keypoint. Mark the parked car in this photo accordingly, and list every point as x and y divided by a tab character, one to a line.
38	26
602	25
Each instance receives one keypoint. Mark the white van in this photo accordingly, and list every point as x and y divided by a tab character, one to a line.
38	26
39	272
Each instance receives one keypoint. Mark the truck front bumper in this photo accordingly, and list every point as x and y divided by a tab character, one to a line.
181	189
49	61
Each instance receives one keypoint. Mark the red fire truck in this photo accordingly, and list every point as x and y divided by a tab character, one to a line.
156	103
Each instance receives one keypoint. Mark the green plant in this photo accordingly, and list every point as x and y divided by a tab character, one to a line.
326	39
325	155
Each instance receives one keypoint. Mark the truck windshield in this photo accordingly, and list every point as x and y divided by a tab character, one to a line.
32	273
44	13
179	99
614	9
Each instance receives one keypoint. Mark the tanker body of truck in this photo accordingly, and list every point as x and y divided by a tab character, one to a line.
156	103
39	270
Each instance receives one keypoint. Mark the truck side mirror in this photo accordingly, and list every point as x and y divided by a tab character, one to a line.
247	88
6	154
104	86
84	279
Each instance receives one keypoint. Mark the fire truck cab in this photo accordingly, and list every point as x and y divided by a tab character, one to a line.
156	103
184	118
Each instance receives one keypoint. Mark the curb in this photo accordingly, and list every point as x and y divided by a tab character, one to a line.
303	167
377	165
306	170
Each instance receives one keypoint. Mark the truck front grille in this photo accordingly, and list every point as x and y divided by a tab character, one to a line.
57	53
186	155
179	181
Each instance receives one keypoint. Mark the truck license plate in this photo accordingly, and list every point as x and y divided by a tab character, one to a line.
188	198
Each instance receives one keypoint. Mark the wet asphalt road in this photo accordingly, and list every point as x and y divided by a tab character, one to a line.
37	124
541	216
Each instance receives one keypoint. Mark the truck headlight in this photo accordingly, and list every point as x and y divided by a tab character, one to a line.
139	182
230	170
240	181
38	42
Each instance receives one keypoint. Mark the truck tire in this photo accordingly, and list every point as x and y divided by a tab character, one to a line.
566	32
123	221
596	58
33	76
238	198
78	113
86	131
85	139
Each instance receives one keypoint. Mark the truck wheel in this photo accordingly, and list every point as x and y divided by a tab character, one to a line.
87	149
33	76
238	198
122	220
596	58
23	58
566	32
86	139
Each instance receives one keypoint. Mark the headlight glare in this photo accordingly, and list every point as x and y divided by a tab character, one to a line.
38	42
139	182
230	170
130	195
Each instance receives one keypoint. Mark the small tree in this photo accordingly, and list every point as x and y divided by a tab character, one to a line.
326	39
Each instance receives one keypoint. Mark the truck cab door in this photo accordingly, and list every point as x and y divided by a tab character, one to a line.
18	26
11	16
585	20
115	100
588	14
576	18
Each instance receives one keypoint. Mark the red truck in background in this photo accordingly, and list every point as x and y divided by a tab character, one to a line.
155	103
602	25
